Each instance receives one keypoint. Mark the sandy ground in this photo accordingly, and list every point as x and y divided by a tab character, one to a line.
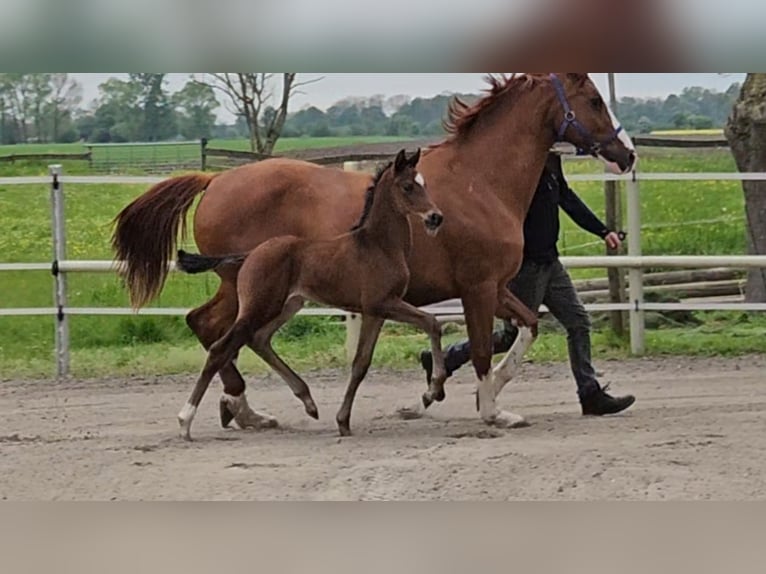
697	431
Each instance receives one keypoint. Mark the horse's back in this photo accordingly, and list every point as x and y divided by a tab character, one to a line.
247	205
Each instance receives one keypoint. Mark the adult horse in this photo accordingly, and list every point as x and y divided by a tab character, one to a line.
483	177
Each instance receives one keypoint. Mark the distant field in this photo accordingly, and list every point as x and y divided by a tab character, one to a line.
706	132
127	158
680	218
283	144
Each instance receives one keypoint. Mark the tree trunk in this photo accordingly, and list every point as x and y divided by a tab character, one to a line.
274	130
746	133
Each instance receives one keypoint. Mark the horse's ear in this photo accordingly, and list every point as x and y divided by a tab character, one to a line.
415	158
401	161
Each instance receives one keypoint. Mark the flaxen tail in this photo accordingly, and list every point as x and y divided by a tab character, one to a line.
194	263
146	232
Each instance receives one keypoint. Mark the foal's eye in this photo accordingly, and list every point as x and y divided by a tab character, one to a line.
408	187
596	103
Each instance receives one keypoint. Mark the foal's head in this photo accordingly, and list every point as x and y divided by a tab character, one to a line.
408	187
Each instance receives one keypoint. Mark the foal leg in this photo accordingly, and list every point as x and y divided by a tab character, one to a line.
261	345
221	352
209	323
368	337
400	311
480	305
512	308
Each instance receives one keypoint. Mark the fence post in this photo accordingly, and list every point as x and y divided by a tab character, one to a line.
635	275
59	254
614	221
203	154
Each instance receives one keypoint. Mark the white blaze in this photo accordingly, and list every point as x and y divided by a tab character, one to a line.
420	180
623	136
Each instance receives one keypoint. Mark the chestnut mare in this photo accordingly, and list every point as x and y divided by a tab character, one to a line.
482	177
363	271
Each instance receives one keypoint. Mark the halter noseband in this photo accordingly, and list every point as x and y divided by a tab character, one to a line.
570	119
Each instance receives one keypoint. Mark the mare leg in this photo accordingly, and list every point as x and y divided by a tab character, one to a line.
368	337
511	307
480	305
221	352
260	343
209	323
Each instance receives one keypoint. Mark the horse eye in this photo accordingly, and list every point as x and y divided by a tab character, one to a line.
408	187
596	103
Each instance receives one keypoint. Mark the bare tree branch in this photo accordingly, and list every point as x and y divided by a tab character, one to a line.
249	96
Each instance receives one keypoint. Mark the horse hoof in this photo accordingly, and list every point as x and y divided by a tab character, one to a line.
409	413
264	422
427	400
185	429
344	430
507	420
226	415
312	410
256	421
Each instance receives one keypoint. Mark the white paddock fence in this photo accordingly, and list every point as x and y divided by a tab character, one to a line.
60	266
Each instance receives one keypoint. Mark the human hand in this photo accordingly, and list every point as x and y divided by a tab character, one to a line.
613	240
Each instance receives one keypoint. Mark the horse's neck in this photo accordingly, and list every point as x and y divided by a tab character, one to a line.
386	224
509	152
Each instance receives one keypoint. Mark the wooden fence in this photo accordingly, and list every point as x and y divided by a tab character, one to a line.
14	157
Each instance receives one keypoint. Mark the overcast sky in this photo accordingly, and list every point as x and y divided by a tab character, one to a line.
333	87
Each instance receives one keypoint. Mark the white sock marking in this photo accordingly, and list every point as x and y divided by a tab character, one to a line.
185	418
187	413
485	390
508	366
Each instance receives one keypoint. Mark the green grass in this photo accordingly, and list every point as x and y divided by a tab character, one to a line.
679	217
104	345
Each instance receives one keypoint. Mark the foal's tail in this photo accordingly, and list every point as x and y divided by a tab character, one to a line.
194	263
146	231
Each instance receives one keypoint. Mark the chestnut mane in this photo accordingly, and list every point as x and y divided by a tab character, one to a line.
461	117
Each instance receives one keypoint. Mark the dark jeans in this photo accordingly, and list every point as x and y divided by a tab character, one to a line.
548	284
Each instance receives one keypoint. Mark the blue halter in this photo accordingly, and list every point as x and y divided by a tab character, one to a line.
570	119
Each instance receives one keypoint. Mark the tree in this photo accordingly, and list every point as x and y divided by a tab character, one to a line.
18	101
39	86
158	115
644	125
746	132
118	105
66	95
249	95
197	104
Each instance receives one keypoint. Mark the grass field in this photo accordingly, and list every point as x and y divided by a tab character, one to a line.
682	218
705	132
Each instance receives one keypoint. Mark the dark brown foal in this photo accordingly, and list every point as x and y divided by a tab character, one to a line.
363	271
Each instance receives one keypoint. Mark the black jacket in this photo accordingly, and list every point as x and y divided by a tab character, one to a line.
541	227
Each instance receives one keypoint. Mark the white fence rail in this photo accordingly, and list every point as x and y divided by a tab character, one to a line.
634	262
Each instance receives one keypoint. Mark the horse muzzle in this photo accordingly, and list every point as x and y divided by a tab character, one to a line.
621	167
433	221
